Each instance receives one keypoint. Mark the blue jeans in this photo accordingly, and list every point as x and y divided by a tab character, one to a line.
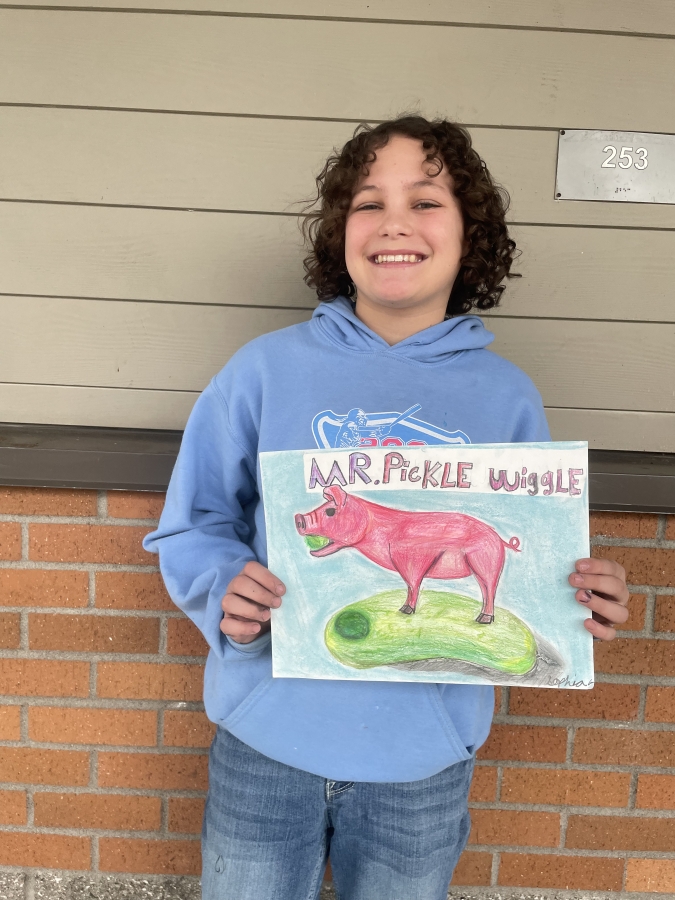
269	828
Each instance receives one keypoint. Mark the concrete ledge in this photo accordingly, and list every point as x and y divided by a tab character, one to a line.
45	885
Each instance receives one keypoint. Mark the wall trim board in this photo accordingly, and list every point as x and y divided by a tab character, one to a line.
142	460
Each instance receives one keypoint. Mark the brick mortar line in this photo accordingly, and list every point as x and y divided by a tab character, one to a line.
661	526
621	812
164	818
101	832
95	854
160	728
30	808
24	542
633	543
572	852
167	750
648	680
164	635
624	876
494	869
101	703
169	793
93	675
564	817
600	724
24	707
646	588
569	741
102	503
632	791
91	591
133	877
642	703
23	631
47	519
93	656
155	793
578	767
650	611
101	611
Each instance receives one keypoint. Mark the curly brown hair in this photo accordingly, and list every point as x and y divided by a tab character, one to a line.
483	204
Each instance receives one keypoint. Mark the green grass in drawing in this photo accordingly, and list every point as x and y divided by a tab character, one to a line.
372	632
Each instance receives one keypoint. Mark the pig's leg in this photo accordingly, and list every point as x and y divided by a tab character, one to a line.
486	615
486	565
412	564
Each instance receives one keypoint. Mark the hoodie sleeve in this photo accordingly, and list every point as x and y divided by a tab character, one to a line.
531	424
204	528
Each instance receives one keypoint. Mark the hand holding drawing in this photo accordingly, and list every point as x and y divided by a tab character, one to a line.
246	605
602	588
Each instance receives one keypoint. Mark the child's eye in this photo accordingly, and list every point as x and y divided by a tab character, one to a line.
367	206
427	204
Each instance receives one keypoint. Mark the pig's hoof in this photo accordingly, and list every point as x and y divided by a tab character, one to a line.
407	609
484	619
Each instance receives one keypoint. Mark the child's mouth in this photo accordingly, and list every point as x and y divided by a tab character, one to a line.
397	259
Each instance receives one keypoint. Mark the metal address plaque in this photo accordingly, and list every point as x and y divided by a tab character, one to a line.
616	165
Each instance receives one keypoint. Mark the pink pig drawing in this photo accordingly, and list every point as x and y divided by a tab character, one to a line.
417	545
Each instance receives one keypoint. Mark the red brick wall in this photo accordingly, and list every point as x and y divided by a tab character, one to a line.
103	741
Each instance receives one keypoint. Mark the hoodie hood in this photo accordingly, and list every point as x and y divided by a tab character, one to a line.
339	323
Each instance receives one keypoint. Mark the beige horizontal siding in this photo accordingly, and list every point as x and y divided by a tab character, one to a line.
231	163
147	254
645	16
609	429
179	192
152	346
245	260
175	346
597	365
329	69
97	407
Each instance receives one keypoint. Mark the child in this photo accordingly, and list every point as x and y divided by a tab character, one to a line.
408	237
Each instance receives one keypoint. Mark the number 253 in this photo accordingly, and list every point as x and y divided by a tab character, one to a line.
626	156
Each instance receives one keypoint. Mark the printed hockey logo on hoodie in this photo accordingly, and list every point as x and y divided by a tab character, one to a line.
381	429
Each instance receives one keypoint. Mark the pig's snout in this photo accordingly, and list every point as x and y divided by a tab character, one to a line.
300	523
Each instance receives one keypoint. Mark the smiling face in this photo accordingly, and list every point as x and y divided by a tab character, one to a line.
404	237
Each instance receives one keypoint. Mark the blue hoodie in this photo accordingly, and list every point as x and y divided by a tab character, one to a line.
328	382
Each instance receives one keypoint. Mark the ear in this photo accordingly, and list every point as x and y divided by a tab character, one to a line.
335	495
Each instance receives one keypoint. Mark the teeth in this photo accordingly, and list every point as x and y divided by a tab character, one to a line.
406	257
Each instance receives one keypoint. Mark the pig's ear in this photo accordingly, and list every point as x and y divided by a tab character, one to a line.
335	495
